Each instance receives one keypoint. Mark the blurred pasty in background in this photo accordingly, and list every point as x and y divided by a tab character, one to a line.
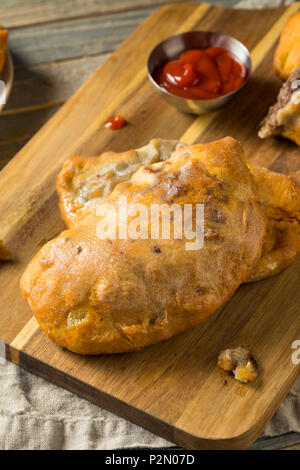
287	55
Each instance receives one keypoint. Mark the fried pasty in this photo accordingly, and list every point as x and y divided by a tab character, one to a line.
97	296
283	118
287	54
84	182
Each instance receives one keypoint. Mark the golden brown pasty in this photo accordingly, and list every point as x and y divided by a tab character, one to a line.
283	118
3	41
98	296
84	182
287	55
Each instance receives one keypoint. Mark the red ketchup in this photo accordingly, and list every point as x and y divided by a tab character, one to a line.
116	122
201	74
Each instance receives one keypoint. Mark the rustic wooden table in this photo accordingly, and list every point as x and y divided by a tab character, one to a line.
56	45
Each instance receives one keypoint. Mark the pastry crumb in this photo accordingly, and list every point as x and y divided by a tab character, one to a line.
240	362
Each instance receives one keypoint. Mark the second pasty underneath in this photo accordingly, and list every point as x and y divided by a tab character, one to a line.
283	118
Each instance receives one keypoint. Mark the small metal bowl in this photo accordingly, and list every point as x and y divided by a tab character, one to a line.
172	47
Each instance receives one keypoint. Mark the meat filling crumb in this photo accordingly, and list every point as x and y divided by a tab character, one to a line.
240	362
279	114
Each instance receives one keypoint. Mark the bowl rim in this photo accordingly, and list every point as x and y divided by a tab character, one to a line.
7	76
186	33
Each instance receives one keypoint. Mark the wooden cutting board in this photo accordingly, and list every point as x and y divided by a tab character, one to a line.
173	388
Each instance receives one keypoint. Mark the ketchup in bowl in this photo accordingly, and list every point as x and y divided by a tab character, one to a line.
201	74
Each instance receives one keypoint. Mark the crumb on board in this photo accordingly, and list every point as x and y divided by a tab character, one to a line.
240	362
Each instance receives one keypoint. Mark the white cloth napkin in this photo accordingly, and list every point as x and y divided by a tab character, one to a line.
35	414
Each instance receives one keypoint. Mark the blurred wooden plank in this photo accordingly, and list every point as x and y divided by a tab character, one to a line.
36	90
16	13
9	149
75	38
17	130
26	124
52	83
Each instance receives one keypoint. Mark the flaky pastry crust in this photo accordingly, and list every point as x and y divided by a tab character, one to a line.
86	181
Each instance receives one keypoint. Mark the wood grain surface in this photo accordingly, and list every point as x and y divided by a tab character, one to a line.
174	388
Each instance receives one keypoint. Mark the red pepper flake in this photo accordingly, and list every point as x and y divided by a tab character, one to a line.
114	123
